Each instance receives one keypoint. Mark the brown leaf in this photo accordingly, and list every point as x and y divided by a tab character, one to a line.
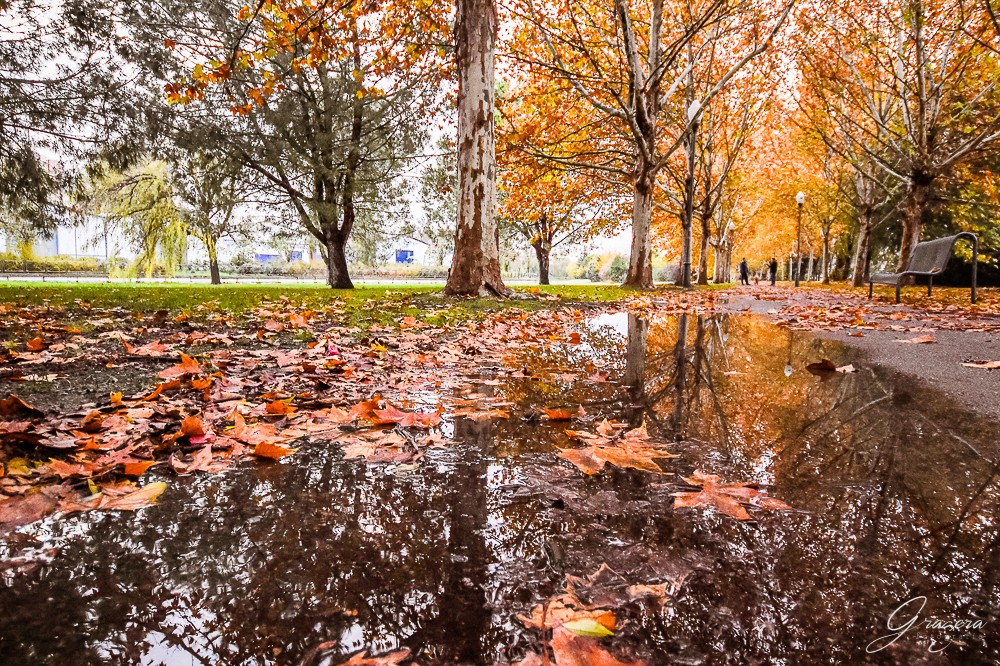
14	406
118	497
36	344
919	340
92	422
984	365
187	366
622	449
727	498
406	419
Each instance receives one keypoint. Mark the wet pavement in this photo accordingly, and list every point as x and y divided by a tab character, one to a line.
894	490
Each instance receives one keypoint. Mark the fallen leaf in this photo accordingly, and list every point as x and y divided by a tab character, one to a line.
36	344
625	449
14	406
280	407
187	366
192	426
137	468
558	414
391	659
272	450
919	340
587	627
985	365
727	498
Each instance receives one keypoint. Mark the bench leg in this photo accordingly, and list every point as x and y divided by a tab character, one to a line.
930	282
897	292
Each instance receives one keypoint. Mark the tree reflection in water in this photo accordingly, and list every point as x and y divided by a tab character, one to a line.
895	490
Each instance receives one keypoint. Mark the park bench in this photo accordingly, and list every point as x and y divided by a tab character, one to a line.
929	258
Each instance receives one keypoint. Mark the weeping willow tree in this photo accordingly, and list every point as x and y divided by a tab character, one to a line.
140	203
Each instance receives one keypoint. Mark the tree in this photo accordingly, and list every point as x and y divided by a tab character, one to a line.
475	264
726	129
210	190
65	98
912	87
632	66
140	202
439	200
323	102
545	199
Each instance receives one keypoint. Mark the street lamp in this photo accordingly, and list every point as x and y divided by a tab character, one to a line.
693	111
800	199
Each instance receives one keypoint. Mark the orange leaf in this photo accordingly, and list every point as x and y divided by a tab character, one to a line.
280	407
272	450
558	414
137	468
187	366
192	426
36	344
202	383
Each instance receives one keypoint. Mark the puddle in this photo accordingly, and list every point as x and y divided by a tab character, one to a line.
894	490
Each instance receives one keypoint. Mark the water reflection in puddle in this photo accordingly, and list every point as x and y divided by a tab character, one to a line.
894	490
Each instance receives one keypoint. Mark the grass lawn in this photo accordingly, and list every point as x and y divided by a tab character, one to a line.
367	304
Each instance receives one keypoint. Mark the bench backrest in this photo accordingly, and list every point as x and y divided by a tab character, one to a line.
931	256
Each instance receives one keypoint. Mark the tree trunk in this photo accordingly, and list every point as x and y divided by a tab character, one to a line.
918	195
336	264
542	252
635	368
475	265
860	276
640	265
703	253
826	259
213	261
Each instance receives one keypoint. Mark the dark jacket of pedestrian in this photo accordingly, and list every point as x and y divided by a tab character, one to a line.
773	269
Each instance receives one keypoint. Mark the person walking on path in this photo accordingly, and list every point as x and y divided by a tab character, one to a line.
744	273
773	270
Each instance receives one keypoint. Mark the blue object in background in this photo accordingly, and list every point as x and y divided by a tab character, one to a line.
404	256
297	255
264	258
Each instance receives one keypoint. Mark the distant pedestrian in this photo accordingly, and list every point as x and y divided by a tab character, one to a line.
744	273
773	270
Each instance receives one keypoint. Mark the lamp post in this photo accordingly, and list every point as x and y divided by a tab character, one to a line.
692	118
800	199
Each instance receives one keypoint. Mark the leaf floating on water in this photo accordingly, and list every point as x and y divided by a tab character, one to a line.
558	414
118	497
587	627
629	449
391	659
726	498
